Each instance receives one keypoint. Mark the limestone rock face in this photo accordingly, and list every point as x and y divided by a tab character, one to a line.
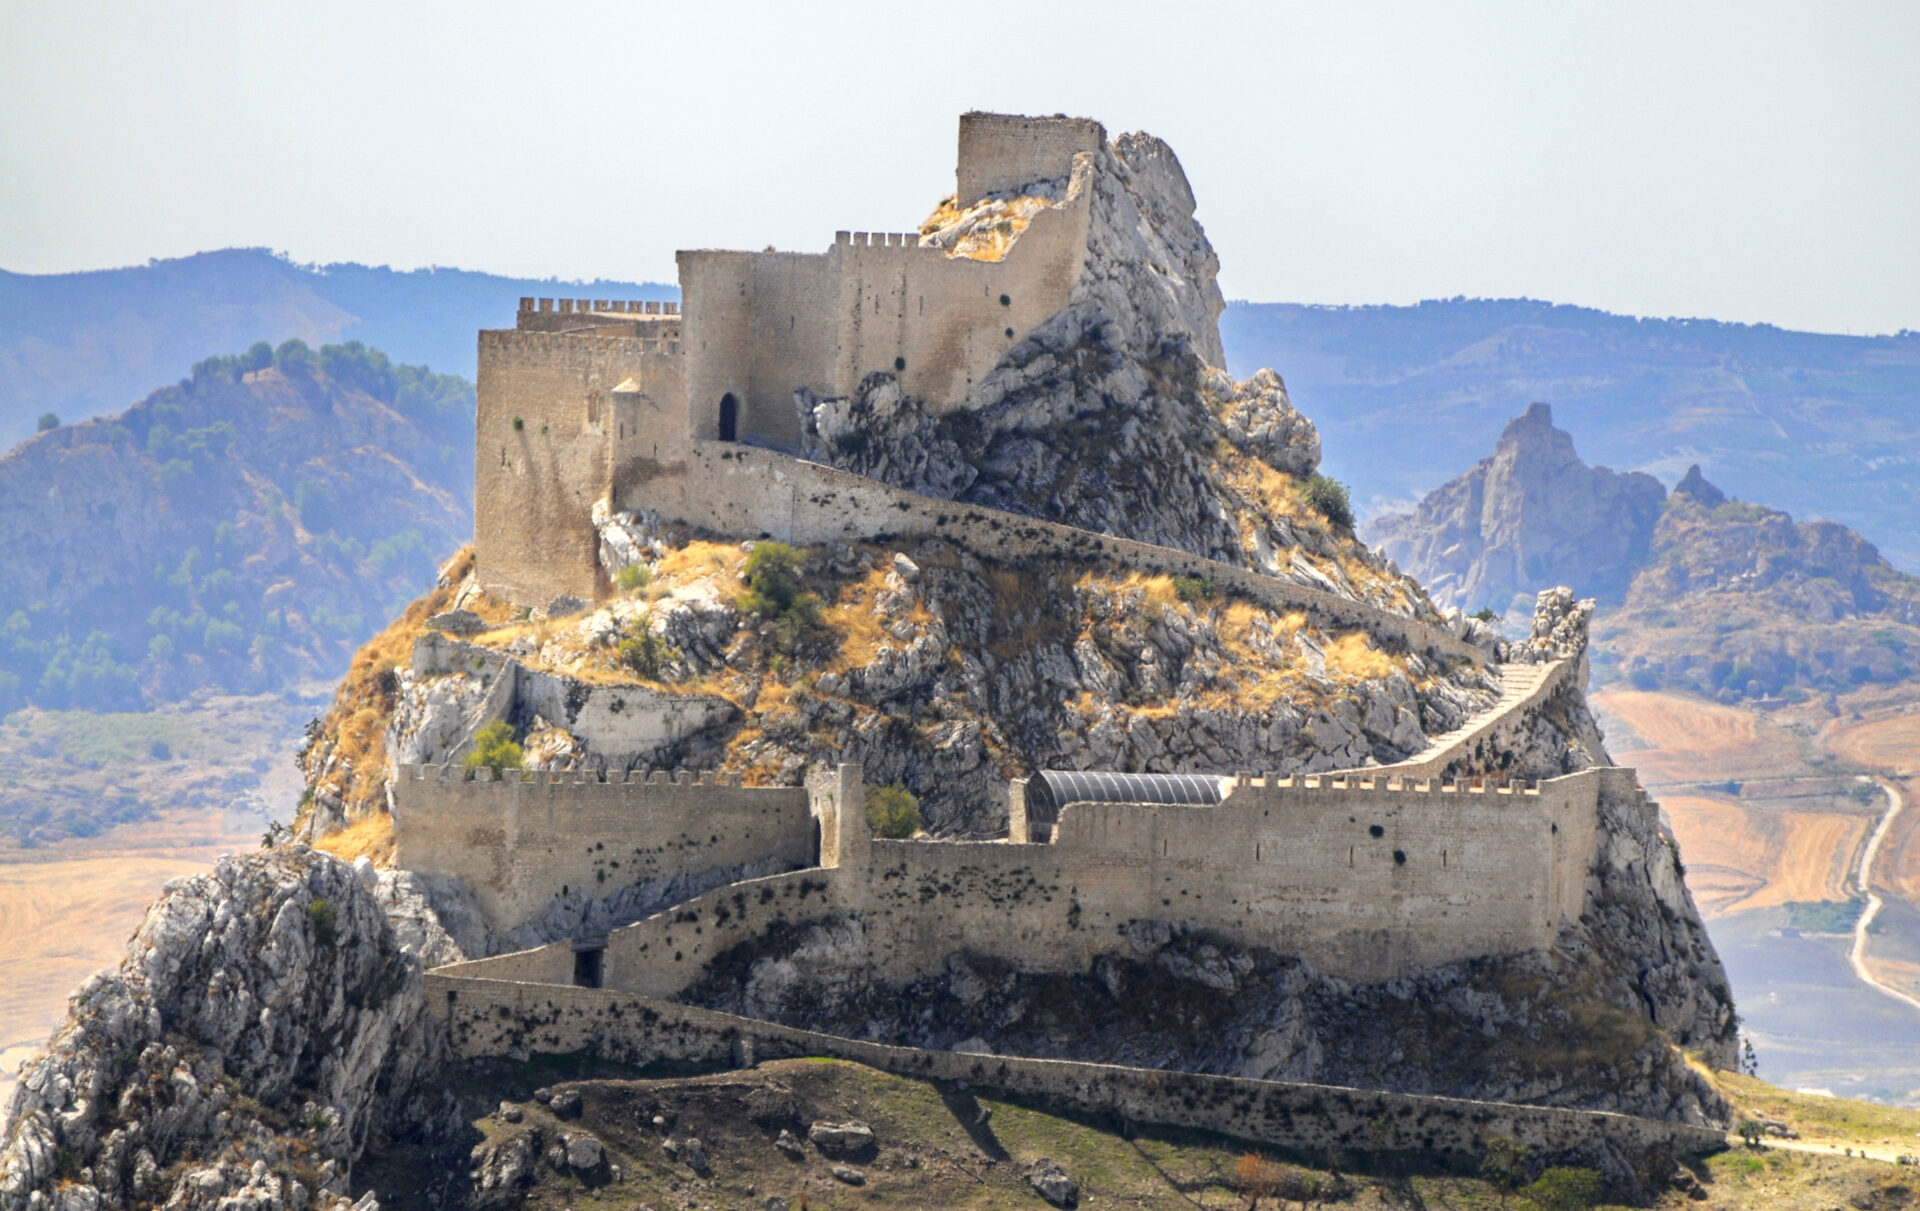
263	1026
1113	415
1529	517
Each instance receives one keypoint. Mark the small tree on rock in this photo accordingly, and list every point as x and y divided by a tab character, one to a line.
493	748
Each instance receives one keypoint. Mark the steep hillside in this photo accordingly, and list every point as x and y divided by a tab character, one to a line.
1699	592
241	530
1818	425
1527	518
81	344
1737	600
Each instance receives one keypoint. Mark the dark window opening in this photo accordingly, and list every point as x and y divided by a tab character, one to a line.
586	968
1005	301
1374	830
899	363
729	418
1009	334
1399	857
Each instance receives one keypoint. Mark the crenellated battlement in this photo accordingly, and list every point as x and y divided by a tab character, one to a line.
649	777
882	239
608	306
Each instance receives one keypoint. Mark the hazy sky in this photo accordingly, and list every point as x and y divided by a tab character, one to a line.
1743	161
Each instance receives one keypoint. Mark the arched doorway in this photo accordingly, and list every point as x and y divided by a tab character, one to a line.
729	418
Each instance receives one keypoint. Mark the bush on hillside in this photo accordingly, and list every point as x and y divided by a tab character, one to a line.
893	812
776	592
48	420
647	654
1328	497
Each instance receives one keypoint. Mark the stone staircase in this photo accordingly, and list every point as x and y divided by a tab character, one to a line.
1522	686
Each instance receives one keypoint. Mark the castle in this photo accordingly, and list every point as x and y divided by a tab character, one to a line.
623	402
687	413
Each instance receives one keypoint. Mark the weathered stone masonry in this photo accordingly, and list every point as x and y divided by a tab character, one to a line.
1372	879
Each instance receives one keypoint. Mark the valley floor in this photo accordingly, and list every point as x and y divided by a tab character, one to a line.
1776	811
68	906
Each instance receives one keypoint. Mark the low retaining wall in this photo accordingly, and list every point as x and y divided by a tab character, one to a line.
498	1018
746	491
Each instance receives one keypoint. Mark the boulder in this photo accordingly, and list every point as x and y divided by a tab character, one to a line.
842	1138
1052	1182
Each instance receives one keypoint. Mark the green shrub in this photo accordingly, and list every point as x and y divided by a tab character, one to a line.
1504	1164
1565	1189
633	577
320	912
893	812
48	420
1194	588
647	654
1328	497
1486	614
493	748
775	592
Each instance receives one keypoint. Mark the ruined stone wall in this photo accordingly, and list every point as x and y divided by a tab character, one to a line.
747	492
521	842
499	1018
1000	153
1371	881
543	449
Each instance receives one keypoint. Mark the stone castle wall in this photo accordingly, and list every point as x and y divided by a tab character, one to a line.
1372	880
762	325
741	490
1002	153
521	842
544	444
488	1018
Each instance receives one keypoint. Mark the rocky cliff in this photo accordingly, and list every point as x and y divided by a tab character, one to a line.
1528	518
1698	591
1737	600
1115	415
264	1026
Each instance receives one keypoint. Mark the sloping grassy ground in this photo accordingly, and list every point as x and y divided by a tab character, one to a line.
944	1146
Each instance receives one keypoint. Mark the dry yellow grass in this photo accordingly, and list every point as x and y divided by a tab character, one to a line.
371	837
683	565
1353	656
1892	744
1694	740
1740	857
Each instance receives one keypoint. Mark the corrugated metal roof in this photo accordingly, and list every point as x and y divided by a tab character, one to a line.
1051	789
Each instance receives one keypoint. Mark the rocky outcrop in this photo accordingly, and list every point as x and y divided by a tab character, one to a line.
971	674
265	1024
1529	517
1737	600
1114	414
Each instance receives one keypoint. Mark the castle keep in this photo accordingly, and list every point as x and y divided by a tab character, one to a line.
591	400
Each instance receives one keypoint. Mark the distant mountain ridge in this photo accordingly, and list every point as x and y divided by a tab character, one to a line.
1819	425
240	531
83	344
1530	516
1699	592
